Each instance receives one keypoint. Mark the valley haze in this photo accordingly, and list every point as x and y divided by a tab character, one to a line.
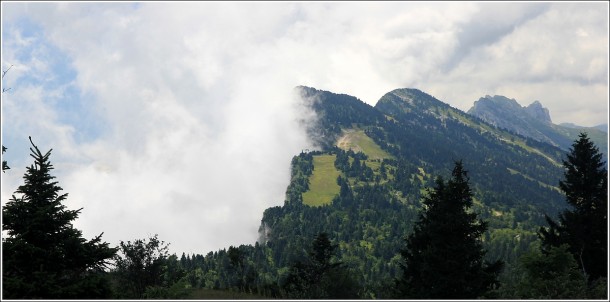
180	119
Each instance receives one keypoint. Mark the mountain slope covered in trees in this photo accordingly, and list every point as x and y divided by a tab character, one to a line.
514	181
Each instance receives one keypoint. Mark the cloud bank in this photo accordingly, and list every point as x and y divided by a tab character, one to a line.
180	118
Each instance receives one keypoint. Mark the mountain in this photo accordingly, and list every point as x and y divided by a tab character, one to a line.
601	127
534	121
364	186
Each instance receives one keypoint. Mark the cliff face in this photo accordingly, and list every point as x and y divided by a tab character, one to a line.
508	114
533	121
538	112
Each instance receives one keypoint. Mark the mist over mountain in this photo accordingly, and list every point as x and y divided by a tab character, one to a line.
364	185
372	174
352	201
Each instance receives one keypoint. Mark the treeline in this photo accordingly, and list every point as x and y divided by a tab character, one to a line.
372	241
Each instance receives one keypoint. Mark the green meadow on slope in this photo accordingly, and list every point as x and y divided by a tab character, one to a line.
358	141
323	185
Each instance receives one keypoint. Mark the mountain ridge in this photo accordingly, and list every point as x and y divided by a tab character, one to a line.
363	189
514	180
533	121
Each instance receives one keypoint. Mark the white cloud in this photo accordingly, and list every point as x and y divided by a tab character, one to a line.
197	101
546	58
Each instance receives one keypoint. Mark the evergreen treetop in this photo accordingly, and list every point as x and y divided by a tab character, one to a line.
44	256
584	226
443	257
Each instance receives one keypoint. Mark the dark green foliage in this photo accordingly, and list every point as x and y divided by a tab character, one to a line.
44	256
367	222
430	133
554	275
140	267
339	110
320	276
241	275
378	202
443	258
173	282
584	226
369	216
245	268
301	169
357	169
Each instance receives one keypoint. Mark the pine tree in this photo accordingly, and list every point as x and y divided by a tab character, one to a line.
584	227
44	256
320	276
443	258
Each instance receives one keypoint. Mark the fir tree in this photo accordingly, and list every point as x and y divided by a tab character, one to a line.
320	277
443	258
44	256
584	227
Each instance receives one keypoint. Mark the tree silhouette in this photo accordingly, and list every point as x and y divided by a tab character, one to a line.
443	258
44	256
140	266
320	276
584	227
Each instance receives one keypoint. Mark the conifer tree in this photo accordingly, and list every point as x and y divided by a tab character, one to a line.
443	258
320	276
584	227
44	256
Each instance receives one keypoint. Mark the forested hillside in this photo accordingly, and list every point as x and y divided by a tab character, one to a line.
380	198
370	215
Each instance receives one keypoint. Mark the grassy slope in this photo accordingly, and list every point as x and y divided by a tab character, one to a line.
357	140
323	181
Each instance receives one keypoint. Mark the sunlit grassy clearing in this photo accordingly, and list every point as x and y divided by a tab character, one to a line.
357	140
323	185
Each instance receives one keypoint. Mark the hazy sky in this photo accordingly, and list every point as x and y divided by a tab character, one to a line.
179	119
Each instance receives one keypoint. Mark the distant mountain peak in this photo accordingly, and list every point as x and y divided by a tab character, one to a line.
533	121
536	110
411	99
493	109
500	100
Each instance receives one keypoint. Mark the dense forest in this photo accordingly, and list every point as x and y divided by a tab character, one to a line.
431	203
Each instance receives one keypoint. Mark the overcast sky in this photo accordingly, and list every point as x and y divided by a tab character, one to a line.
179	119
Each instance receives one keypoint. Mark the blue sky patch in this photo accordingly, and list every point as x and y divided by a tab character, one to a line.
57	76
